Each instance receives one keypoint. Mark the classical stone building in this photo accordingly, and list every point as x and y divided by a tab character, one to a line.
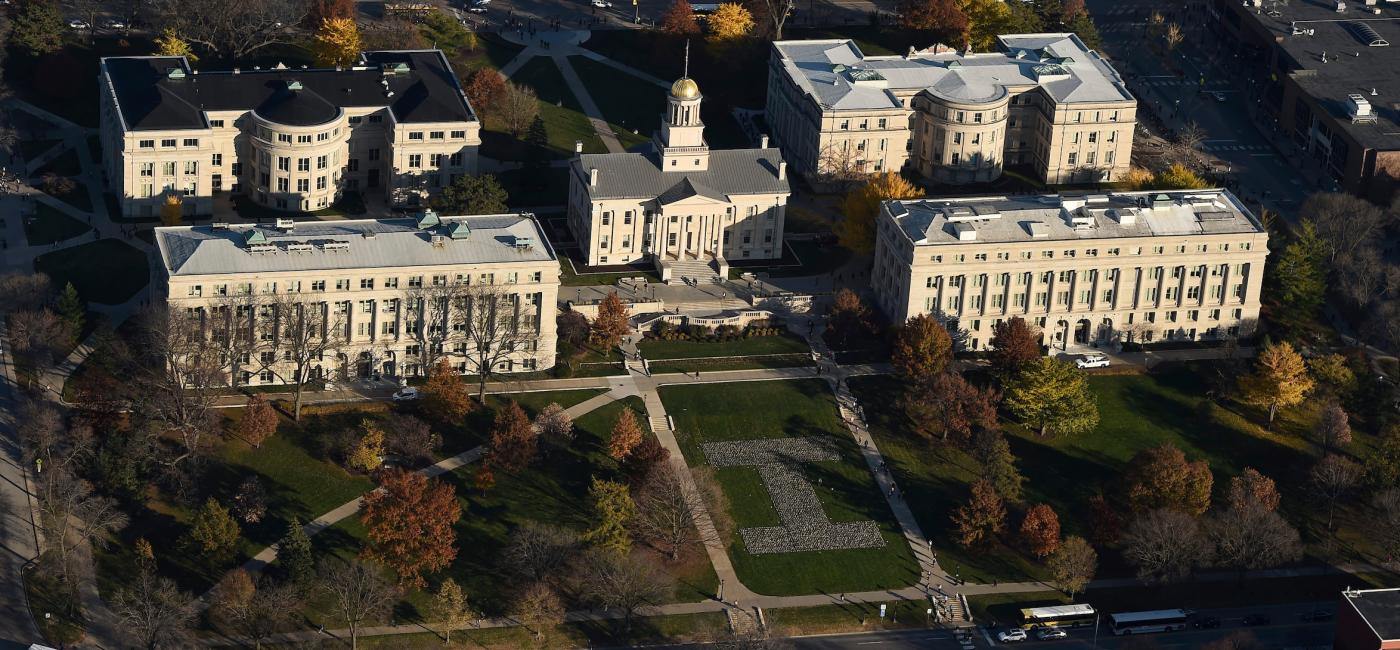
396	124
398	295
1045	102
1086	269
684	206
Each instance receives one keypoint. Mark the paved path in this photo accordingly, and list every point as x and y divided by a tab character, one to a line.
585	100
19	543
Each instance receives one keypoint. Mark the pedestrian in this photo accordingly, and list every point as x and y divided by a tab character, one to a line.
843	597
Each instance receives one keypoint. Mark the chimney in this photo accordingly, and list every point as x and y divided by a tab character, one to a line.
578	146
782	170
763	141
593	177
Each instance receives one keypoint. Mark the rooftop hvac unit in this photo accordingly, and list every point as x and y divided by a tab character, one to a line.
286	224
299	247
966	231
1359	108
439	240
261	248
335	246
524	242
219	225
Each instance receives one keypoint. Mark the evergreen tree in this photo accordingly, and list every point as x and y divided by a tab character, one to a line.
999	464
537	136
294	553
1299	272
213	533
472	195
37	27
70	308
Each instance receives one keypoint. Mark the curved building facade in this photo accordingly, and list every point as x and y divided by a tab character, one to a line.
959	138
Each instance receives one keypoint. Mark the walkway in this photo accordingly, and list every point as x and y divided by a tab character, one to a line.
19	542
585	100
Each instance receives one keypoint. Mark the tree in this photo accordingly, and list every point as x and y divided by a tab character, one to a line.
1178	177
1161	477
71	515
573	330
986	19
233	30
369	451
444	396
610	325
70	308
848	318
259	420
1165	545
1073	565
626	435
337	42
862	208
40	337
944	17
537	608
1348	223
472	195
408	521
491	324
1333	428
948	408
170	44
485	89
319	11
294	553
1173	36
410	439
1252	491
1252	538
777	12
1332	373
484	478
666	514
517	107
537	136
297	334
449	608
1333	477
982	517
729	22
613	512
255	611
622	581
1384	527
514	442
250	502
1015	344
993	453
679	20
213	532
1382	463
1279	380
1040	530
359	591
921	351
152	612
644	460
447	32
1105	525
1299	272
1052	396
37	27
537	551
554	423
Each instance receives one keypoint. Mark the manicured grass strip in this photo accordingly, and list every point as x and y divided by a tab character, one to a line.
777	344
48	595
50	225
679	628
734	363
847	617
107	272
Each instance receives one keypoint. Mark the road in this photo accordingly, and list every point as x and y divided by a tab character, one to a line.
17	542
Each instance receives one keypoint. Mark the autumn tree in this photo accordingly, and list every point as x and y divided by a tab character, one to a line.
679	20
949	408
253	610
992	451
1073	565
554	424
337	42
613	512
1252	491
644	460
172	210
862	208
1382	462
233	30
1300	272
986	20
1332	478
408	521
1279	380
848	319
982	517
170	44
445	397
517	107
729	22
1040	530
1015	344
213	533
922	350
1052	396
514	442
368	452
449	608
1105	524
294	336
943	17
319	11
1161	477
250	501
485	89
472	194
359	592
151	611
1165	545
1252	538
610	325
537	608
259	420
626	435
1332	374
1178	177
623	582
1333	427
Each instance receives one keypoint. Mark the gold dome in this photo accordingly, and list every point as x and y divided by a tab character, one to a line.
685	88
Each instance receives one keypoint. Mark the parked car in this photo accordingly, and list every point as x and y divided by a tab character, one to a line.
1256	619
1092	361
1315	616
1048	633
1012	635
480	3
602	4
1219	96
1206	623
78	24
113	23
406	394
477	10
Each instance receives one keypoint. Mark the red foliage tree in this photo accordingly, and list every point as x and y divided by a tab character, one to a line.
680	19
484	479
922	350
1252	490
259	421
1015	343
1040	530
1105	524
626	435
409	524
944	17
645	457
484	89
949	409
321	10
513	439
1161	477
445	397
982	517
610	325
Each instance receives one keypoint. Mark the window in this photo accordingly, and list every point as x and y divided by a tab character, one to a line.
356	119
957	138
191	167
167	142
374	154
415	160
322	136
284	137
845	125
435	135
191	142
366	283
303	164
1093	136
303	184
321	162
320	182
456	159
1073	158
147	144
435	160
217	160
148	169
415	135
284	163
457	135
282	185
304	139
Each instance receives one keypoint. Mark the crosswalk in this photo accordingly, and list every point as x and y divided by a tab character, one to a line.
1225	146
1179	81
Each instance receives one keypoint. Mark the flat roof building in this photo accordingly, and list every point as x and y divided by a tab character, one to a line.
293	139
1368	619
1088	269
398	294
1045	101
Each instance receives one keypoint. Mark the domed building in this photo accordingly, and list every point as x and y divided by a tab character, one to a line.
679	204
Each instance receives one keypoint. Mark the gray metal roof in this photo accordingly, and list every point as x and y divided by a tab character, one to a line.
356	244
639	175
1000	219
839	76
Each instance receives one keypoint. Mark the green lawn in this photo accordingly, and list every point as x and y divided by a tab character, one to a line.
65	164
800	258
50	225
731	363
57	612
562	114
29	149
653	630
1136	412
492	52
570	277
848	617
654	349
627	102
107	272
779	409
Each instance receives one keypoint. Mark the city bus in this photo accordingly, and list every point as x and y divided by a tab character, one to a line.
1058	616
1159	620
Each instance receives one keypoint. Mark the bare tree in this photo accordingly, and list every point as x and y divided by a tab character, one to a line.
1252	538
19	291
260	612
1348	222
1333	477
1173	36
1385	526
778	12
1364	276
1165	545
497	325
839	164
622	582
359	591
537	551
47	442
295	338
40	337
231	29
175	377
554	424
518	107
230	325
153	612
71	516
666	513
537	608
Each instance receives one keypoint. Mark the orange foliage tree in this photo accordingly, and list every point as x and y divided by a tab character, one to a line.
1040	530
626	435
409	524
444	396
259	421
513	439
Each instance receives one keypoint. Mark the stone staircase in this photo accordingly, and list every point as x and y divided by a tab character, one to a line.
744	623
702	271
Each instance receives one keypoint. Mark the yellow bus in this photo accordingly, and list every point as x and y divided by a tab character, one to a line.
1059	616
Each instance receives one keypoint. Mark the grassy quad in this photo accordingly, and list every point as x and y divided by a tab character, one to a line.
778	351
1136	412
778	409
50	225
628	103
107	272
